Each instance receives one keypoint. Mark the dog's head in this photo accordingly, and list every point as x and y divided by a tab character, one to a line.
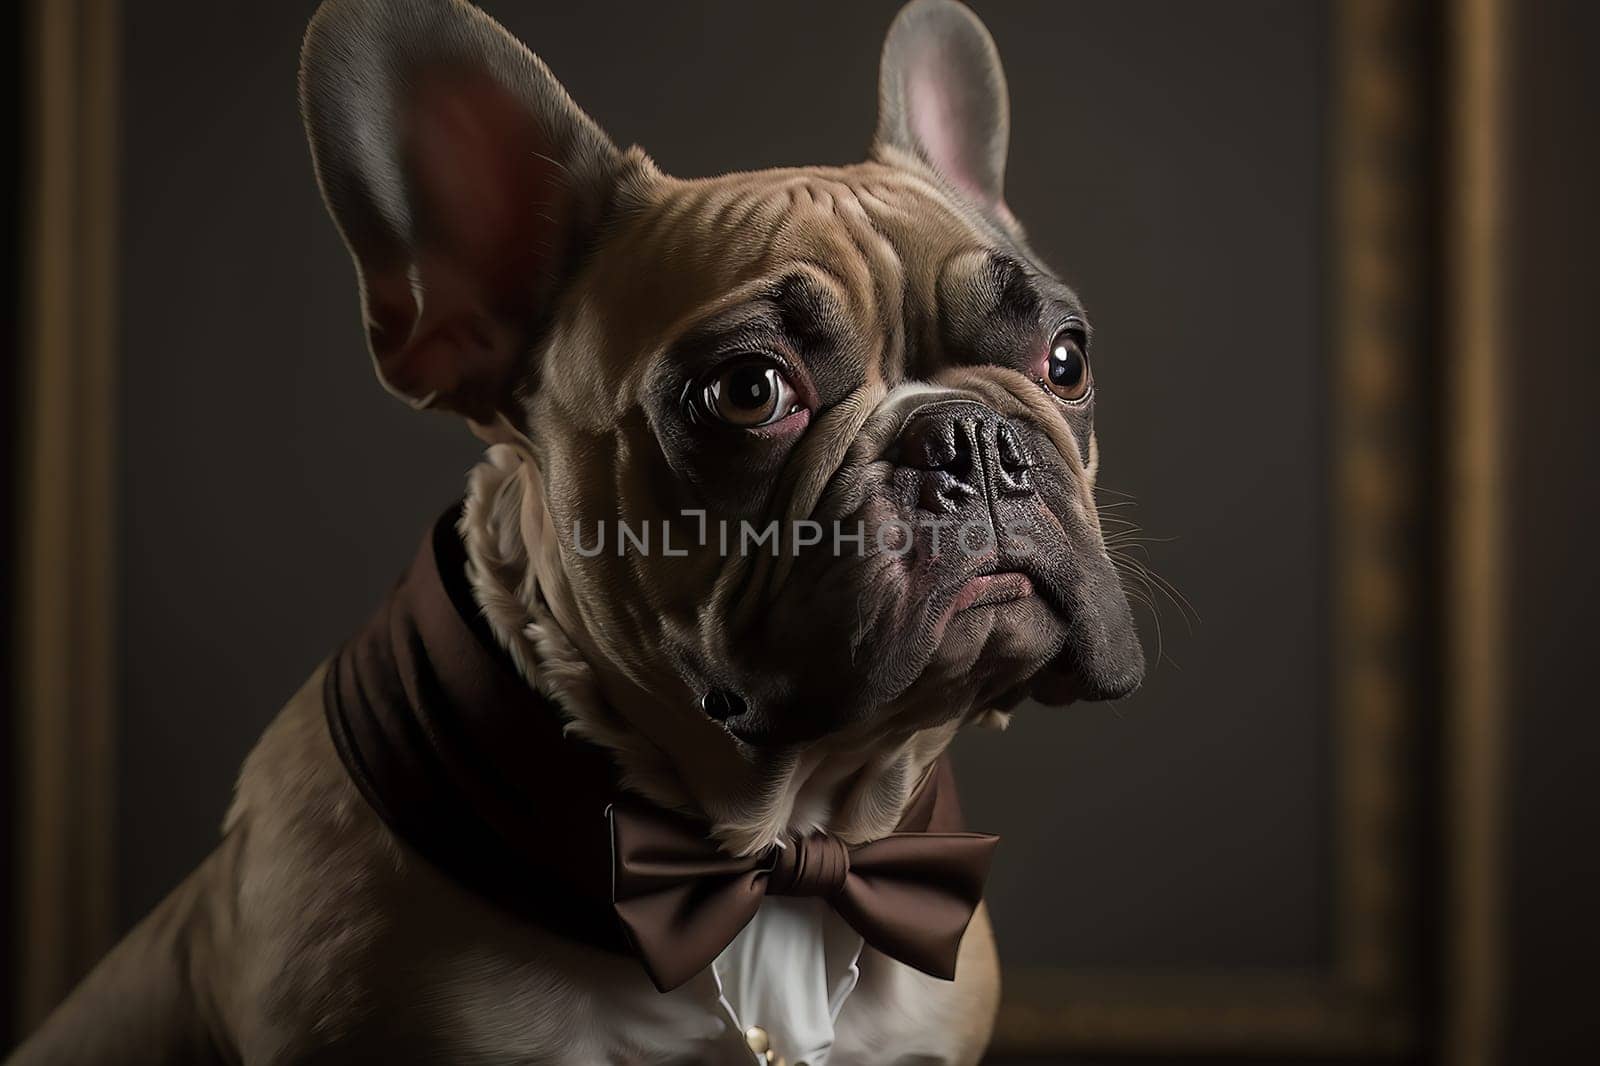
816	446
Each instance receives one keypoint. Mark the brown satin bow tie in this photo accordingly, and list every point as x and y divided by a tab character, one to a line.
682	901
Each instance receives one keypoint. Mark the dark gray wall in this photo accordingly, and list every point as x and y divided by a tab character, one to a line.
1166	158
271	490
1552	371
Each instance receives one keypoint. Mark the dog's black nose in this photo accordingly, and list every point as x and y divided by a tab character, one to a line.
966	453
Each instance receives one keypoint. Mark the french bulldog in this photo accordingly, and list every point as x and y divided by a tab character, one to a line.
798	381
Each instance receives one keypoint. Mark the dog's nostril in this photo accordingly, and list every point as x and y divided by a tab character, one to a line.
937	445
1013	459
942	452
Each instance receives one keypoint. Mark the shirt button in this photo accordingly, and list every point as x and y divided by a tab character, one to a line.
756	1038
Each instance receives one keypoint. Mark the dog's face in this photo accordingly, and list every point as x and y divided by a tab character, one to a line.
817	442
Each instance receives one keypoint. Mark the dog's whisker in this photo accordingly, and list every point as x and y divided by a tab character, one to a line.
1143	594
1121	545
1155	588
1172	592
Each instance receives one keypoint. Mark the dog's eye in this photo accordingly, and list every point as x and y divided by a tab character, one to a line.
1066	368
751	392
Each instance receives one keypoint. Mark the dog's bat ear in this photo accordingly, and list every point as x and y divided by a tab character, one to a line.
942	98
463	179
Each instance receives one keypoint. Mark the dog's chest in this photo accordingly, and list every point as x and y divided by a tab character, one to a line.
788	974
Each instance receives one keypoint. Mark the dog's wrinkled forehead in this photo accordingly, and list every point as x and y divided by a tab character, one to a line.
495	227
874	275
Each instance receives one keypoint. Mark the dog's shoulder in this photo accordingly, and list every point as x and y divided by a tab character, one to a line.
345	938
304	857
300	816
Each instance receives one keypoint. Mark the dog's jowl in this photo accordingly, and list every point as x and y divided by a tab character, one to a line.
789	477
